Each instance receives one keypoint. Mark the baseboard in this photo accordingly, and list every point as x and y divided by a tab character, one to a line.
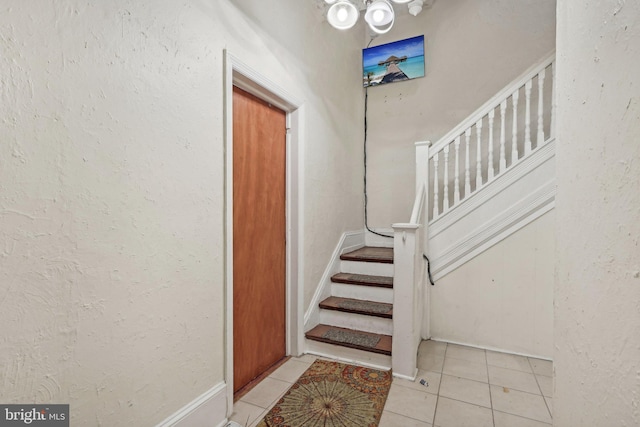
208	409
372	239
496	349
406	377
349	240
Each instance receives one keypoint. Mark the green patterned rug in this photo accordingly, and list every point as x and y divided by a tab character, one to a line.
332	394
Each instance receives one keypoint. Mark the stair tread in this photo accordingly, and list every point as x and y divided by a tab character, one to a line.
363	279
351	305
327	334
370	254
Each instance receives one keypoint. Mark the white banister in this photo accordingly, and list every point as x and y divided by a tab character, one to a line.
519	140
410	239
494	102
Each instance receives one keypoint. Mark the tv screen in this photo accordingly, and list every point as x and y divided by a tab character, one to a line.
393	62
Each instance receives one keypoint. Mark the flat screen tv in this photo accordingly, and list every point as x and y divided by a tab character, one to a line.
393	62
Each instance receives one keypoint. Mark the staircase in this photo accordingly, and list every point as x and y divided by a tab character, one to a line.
486	179
351	322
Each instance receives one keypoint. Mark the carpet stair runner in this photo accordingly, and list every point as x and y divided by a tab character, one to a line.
350	305
375	343
352	338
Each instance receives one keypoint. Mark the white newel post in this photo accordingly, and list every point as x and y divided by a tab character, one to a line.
422	178
406	305
407	266
422	163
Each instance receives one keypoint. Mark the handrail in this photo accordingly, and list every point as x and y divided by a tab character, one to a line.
418	204
493	102
482	147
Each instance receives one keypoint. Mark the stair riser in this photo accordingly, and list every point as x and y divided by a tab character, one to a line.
348	355
371	268
360	322
368	293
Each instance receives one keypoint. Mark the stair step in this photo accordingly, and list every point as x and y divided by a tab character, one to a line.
349	305
375	343
373	293
363	279
370	254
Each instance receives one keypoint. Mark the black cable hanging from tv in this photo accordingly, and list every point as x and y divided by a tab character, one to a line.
366	198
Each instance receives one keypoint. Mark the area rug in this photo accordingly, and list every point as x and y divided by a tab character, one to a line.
332	394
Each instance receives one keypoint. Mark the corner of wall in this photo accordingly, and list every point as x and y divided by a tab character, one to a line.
209	408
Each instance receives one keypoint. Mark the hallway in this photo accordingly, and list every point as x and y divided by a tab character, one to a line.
465	387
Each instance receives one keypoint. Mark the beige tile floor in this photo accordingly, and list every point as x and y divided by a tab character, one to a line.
465	387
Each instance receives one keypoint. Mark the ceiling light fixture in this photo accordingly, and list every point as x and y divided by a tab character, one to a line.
342	14
379	14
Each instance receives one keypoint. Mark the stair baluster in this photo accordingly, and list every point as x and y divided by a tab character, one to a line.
503	137
436	201
552	133
490	168
467	180
479	154
456	190
445	192
514	133
527	117
540	139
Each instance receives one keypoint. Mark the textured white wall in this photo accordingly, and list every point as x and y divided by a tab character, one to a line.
111	191
473	48
597	291
501	301
323	66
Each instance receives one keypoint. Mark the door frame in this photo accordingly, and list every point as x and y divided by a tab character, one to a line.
237	73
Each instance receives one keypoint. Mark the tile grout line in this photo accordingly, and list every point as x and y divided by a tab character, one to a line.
468	403
444	358
493	418
523	417
250	422
468	379
510	369
404	415
544	399
435	411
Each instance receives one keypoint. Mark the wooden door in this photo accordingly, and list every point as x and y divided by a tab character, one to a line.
259	257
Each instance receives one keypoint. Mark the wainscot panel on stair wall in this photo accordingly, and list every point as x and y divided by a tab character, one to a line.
501	301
